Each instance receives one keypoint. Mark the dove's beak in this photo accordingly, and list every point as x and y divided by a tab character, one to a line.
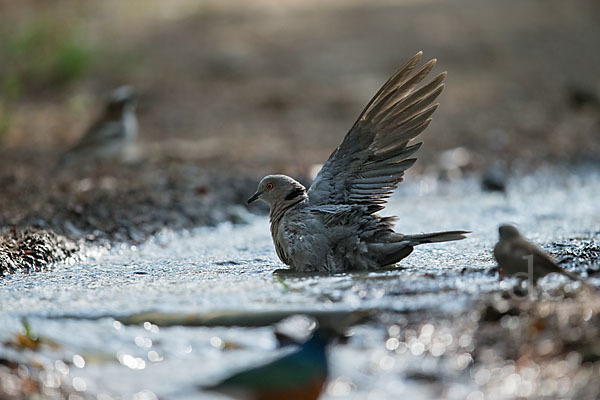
254	197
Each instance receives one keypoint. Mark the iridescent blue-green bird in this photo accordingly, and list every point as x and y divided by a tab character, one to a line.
299	375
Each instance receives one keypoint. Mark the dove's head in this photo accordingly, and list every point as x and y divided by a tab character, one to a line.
278	189
508	232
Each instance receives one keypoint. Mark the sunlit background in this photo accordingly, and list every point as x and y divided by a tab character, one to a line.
279	83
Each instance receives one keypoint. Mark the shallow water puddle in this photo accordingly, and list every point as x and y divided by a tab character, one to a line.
230	268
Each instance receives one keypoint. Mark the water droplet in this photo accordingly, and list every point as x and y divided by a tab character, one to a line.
465	340
217	342
145	395
482	376
386	363
50	379
475	396
79	384
427	330
78	361
153	356
402	348
341	387
417	348
392	344
394	331
437	349
463	360
61	367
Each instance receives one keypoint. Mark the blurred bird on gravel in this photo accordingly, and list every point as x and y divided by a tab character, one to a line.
333	227
299	375
518	258
111	137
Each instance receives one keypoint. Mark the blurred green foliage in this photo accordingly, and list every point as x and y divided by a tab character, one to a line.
42	53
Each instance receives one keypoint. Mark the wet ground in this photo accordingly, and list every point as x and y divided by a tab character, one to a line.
441	326
47	216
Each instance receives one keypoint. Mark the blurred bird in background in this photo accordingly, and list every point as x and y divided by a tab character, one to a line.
299	375
112	136
494	178
519	258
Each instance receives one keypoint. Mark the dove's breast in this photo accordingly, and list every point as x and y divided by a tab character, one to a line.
301	240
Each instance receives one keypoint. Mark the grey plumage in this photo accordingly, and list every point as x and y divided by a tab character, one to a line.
112	135
517	257
333	226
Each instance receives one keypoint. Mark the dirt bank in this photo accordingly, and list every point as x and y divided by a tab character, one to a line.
47	216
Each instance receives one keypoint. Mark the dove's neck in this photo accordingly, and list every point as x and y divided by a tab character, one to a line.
279	208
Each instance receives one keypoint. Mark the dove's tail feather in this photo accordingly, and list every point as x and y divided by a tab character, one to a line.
397	247
398	255
435	237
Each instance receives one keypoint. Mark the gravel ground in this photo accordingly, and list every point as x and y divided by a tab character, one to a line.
47	218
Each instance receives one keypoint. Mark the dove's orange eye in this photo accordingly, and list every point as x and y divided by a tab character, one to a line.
269	186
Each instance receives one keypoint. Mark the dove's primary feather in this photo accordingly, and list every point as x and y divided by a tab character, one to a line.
333	226
370	162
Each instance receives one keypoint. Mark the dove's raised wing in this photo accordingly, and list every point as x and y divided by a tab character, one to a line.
370	162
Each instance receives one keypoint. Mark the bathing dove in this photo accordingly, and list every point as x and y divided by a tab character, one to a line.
519	258
111	136
333	227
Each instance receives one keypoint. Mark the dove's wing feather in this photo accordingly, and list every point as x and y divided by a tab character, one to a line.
370	162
